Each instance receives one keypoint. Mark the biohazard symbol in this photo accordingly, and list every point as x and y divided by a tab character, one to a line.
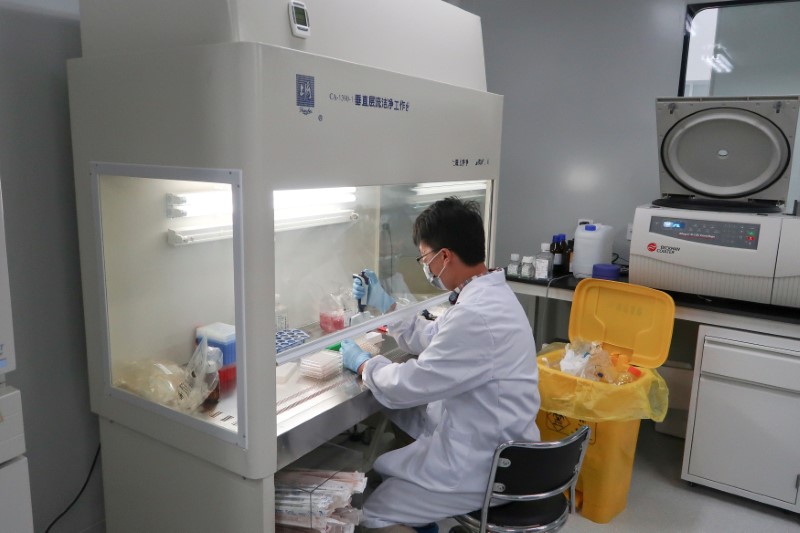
558	423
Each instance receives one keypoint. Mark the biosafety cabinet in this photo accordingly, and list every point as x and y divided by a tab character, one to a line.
233	173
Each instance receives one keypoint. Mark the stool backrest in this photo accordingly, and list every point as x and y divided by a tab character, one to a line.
536	470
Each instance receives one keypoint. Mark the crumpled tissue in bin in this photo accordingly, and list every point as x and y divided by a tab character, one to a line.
597	401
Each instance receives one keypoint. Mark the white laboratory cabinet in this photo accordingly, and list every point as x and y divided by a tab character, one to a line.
15	487
220	161
742	433
8	360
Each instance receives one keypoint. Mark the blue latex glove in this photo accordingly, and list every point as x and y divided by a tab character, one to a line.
373	294
352	355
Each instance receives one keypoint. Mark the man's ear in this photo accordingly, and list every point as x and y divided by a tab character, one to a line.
448	254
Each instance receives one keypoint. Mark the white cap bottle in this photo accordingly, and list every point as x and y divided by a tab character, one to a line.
513	269
526	270
543	265
592	246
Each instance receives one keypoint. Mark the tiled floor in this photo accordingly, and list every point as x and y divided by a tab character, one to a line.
659	501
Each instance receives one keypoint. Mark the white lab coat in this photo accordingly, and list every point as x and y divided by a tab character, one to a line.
473	386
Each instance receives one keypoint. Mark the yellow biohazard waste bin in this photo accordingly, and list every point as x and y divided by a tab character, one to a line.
627	319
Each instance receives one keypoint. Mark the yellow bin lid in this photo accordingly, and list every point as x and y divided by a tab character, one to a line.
629	319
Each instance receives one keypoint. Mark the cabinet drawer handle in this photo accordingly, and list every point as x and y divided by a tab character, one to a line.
717	341
720	377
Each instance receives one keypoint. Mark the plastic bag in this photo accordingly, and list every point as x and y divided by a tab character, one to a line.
576	356
170	384
551	354
348	304
594	401
202	376
588	360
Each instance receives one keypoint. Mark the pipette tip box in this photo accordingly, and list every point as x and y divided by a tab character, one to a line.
222	336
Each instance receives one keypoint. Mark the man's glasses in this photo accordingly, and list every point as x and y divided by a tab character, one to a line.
419	259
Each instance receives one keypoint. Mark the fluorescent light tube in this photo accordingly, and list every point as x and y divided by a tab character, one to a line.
285	222
198	234
448	187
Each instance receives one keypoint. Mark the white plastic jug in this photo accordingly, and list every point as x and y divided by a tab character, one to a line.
592	246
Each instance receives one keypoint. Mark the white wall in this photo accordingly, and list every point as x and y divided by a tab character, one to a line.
580	79
36	38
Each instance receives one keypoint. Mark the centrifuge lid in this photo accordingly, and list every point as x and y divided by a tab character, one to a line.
726	149
725	152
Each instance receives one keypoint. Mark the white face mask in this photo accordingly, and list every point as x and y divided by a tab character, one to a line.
436	281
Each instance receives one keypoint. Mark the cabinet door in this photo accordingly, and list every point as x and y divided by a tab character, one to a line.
746	436
743	434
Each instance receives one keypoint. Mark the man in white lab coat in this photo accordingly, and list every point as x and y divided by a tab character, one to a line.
473	386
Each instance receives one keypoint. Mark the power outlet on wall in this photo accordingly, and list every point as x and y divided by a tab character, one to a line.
629	235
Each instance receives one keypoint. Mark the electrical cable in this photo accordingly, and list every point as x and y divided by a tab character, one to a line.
624	270
545	306
618	257
551	280
88	477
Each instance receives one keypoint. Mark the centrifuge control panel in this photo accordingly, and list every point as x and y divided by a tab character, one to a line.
714	232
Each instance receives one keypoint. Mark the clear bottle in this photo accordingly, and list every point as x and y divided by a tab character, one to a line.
514	267
526	270
621	361
629	376
281	320
543	265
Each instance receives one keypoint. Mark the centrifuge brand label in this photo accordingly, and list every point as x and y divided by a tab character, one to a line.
304	93
653	247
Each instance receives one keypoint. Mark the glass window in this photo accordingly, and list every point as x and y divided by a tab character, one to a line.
168	266
335	235
169	246
740	49
325	237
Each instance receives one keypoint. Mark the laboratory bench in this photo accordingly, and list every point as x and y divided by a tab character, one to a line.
311	412
691	307
745	390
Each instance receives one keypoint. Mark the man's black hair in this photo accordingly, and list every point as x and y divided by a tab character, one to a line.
453	224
